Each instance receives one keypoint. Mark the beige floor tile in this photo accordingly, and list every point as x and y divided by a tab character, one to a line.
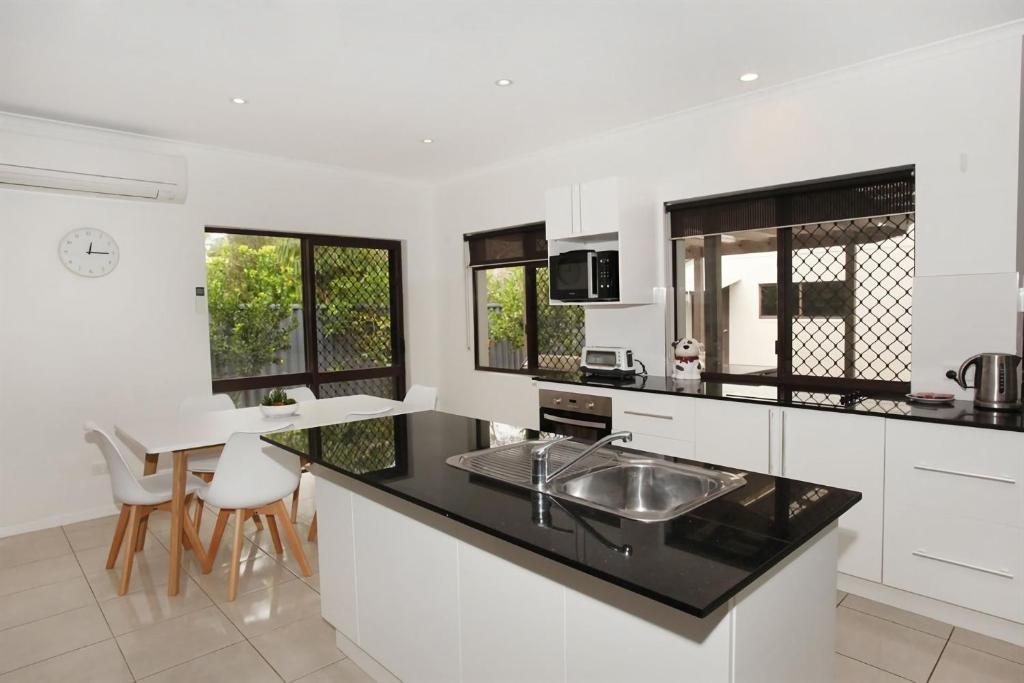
99	662
39	573
238	662
147	607
344	671
33	546
31	643
258	571
960	663
313	581
839	597
287	558
270	608
999	648
851	671
299	648
886	645
38	603
92	533
901	617
174	641
149	571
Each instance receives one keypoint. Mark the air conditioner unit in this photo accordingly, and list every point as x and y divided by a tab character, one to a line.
28	162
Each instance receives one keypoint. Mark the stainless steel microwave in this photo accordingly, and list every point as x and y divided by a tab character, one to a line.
584	275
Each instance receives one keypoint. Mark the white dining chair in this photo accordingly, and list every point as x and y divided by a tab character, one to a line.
420	397
138	498
203	462
252	477
300	394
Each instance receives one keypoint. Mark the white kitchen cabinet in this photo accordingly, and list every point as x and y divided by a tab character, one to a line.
847	451
670	417
954	525
734	434
396	557
675	448
561	206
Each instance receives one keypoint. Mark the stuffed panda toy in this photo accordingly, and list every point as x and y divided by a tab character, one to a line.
687	358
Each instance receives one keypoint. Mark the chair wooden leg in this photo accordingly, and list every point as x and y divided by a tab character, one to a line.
199	514
293	539
257	522
274	535
130	548
115	544
192	534
236	555
152	459
295	502
218	533
312	530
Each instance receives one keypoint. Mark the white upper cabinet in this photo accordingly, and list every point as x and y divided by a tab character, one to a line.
599	207
560	212
847	451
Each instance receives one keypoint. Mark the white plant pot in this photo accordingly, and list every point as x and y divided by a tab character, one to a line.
279	411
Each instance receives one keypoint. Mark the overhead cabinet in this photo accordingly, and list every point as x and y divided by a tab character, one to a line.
609	214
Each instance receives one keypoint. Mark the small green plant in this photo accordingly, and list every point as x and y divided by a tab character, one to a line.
277	397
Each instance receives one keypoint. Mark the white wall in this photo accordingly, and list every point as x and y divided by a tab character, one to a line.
952	110
131	344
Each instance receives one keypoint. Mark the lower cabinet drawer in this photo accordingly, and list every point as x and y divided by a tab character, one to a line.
661	445
667	416
967	562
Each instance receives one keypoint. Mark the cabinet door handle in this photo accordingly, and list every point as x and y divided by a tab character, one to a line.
574	423
965	565
973	475
782	445
654	415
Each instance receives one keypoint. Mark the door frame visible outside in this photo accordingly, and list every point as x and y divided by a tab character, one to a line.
313	377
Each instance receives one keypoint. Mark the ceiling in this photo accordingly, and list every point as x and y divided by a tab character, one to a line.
360	83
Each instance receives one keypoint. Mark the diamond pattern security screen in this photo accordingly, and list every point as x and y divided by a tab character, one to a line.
560	331
853	281
363	446
353	308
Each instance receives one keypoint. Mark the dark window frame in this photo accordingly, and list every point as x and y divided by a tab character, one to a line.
533	256
783	208
313	377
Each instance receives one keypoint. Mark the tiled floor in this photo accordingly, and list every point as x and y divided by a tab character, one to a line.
61	619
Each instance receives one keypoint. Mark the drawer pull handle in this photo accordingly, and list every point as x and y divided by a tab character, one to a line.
997	572
654	415
986	477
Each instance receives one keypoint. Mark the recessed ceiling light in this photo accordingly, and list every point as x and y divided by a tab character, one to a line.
748	77
238	100
503	82
427	141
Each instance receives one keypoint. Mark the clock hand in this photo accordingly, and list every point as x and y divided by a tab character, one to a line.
90	248
98	252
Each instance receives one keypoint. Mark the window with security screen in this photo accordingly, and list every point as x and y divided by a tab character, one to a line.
516	328
805	285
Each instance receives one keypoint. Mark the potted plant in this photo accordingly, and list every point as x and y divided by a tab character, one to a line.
277	404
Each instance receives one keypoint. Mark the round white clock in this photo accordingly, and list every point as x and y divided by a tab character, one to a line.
88	252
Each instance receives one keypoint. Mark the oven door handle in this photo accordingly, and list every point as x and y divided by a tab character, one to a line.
574	423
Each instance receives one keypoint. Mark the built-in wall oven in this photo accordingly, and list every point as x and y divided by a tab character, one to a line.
578	415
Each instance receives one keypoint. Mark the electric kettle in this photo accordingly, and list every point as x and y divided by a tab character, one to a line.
996	380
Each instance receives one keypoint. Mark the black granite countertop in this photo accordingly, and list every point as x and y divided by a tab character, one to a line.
694	563
961	413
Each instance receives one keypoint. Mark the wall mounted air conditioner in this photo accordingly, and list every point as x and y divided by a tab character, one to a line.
28	162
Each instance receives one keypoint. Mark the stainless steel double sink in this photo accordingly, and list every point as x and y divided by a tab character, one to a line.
634	486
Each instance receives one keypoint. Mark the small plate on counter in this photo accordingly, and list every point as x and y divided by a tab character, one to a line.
933	398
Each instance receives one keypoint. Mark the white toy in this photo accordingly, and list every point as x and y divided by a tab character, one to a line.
688	358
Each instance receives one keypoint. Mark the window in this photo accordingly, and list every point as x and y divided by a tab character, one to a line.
783	288
296	310
516	328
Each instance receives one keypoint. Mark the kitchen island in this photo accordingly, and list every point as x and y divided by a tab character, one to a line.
432	573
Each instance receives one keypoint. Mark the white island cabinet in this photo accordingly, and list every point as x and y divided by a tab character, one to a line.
415	596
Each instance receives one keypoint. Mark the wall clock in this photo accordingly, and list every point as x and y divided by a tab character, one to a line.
88	252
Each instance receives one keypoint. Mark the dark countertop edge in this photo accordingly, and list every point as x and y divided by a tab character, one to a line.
853	410
764	568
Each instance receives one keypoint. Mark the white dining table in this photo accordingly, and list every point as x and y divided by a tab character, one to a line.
182	435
